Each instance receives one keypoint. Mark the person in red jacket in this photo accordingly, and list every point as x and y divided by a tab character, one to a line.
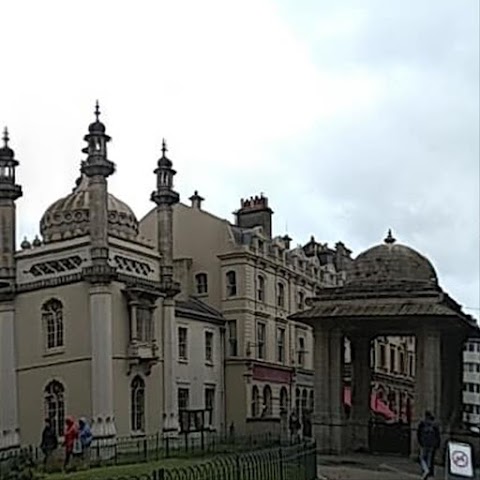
71	434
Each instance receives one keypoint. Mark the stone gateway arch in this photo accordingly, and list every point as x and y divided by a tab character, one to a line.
391	290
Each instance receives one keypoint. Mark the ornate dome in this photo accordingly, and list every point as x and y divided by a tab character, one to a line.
69	216
391	263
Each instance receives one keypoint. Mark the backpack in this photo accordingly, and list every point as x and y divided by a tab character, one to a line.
429	435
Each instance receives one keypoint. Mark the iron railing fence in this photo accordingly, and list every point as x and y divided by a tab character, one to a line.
294	462
130	450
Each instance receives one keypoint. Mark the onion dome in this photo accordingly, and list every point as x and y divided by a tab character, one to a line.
69	216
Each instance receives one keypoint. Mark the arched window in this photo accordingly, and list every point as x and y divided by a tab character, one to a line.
283	400
255	401
231	278
52	319
54	402
201	281
261	288
267	401
281	295
137	412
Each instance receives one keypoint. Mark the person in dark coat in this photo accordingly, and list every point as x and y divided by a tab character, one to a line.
49	441
428	436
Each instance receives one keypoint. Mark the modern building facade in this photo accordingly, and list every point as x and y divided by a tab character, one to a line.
471	383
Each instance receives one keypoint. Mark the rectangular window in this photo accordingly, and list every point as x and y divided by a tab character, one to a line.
281	295
411	366
383	356
232	338
182	343
231	278
209	347
183	400
280	345
209	405
402	363
261	340
301	352
202	283
144	324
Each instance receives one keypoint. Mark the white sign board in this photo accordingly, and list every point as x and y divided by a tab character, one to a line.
460	459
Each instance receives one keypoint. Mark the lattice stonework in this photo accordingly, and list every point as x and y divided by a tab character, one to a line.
61	265
133	266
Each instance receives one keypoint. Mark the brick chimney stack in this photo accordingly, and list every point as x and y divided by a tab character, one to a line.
255	212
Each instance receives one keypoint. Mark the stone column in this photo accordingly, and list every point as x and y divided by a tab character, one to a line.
170	417
361	381
328	418
102	368
9	434
428	379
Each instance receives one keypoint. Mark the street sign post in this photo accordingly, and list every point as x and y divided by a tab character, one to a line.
458	461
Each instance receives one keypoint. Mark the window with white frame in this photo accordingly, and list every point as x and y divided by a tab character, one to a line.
261	288
231	278
201	281
281	344
261	334
232	338
137	405
52	319
54	405
301	351
182	343
280	295
209	347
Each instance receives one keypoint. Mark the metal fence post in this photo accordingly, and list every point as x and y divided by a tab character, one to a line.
280	462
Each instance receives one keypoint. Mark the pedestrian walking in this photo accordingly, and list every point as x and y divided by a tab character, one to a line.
71	434
49	442
428	436
85	436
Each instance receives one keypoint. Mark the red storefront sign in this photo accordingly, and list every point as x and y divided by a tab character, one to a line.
272	374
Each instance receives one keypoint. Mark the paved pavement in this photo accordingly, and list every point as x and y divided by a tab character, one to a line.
370	467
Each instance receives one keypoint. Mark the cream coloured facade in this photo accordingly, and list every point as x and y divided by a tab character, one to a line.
90	313
256	281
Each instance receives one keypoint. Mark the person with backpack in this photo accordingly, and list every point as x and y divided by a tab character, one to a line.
428	436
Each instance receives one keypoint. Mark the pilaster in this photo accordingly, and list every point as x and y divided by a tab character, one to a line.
361	381
9	432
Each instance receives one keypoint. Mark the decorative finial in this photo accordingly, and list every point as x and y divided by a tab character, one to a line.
97	110
6	138
164	147
389	239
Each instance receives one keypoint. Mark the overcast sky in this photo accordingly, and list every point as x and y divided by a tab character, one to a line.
351	116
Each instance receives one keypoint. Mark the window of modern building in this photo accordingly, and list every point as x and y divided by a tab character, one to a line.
209	347
54	404
301	352
232	338
231	278
281	295
300	300
261	288
137	405
281	344
267	401
255	401
182	343
144	324
52	319
261	328
201	282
